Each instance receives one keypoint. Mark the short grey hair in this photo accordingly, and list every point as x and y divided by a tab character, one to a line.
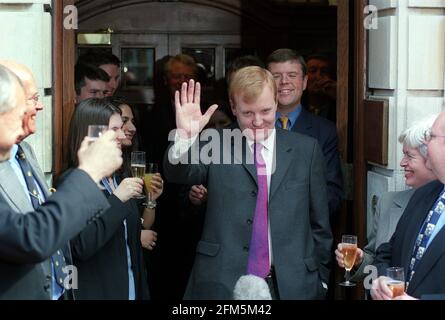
414	136
8	81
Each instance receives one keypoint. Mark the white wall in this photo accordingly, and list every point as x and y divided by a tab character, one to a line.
25	36
406	66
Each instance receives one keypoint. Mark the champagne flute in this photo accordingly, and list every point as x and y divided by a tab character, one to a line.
396	280
152	169
138	167
349	251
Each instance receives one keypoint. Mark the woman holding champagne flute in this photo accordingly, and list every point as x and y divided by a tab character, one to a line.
392	204
129	144
108	252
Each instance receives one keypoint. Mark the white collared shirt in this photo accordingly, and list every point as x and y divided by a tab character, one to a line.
182	146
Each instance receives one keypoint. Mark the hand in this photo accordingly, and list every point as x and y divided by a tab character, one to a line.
405	297
189	119
380	289
101	158
148	239
198	195
157	186
339	256
129	188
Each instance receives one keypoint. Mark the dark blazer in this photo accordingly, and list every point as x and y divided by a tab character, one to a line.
429	279
27	240
300	231
100	254
325	133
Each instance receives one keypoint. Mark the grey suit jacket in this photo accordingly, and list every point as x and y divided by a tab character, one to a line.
389	210
27	241
298	213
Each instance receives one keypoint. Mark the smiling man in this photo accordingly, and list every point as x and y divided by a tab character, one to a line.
271	223
33	105
290	73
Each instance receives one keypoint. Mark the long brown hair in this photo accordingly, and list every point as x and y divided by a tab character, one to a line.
88	112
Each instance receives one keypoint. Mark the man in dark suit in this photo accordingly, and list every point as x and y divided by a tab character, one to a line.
290	73
252	225
418	242
28	240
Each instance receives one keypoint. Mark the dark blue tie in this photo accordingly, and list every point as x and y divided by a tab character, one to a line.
58	260
425	233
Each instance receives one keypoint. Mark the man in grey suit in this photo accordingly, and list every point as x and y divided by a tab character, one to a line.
27	241
267	216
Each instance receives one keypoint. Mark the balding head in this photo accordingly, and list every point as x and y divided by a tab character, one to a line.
12	110
31	94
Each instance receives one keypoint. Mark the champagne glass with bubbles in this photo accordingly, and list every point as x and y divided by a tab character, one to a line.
396	280
152	169
349	251
138	167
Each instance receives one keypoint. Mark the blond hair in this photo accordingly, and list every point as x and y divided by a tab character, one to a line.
250	82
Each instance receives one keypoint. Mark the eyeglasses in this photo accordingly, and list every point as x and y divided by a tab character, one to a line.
34	99
428	135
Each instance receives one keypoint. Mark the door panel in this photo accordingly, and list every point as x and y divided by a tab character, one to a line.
139	53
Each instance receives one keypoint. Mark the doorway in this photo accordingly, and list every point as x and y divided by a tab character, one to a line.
220	29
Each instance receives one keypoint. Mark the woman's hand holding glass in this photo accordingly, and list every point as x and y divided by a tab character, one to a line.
349	251
340	257
152	172
129	188
155	188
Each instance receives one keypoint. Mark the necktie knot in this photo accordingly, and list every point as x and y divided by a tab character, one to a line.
284	122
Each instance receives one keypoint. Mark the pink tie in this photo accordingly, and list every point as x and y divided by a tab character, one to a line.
258	263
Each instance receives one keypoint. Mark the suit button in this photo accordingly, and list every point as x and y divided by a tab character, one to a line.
253	193
46	287
249	221
246	248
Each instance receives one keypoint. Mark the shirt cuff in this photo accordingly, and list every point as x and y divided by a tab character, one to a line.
182	146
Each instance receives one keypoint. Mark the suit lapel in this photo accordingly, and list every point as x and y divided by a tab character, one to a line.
248	162
38	174
12	190
400	201
282	160
420	211
435	250
243	156
303	124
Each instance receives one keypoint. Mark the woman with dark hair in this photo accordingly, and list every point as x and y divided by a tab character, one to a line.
108	252
130	143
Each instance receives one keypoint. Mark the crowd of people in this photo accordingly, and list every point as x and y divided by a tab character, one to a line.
263	211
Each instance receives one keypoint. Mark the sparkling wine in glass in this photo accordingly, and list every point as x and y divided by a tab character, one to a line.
396	280
152	169
349	251
138	167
